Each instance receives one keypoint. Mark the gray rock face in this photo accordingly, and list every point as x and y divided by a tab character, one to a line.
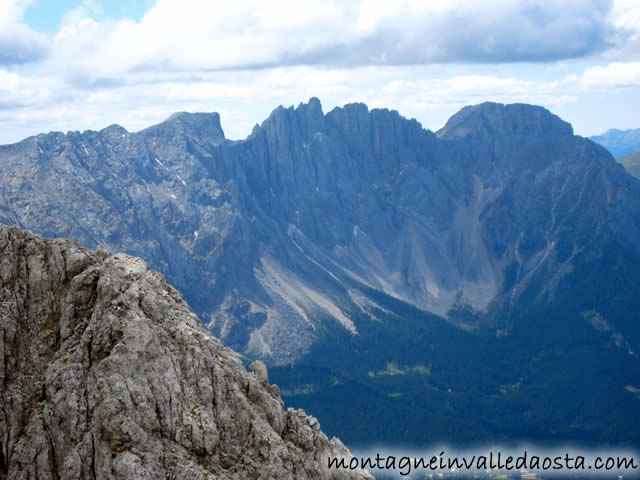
276	238
105	372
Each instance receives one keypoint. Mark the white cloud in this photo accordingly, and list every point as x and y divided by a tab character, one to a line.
625	17
8	82
18	91
11	11
614	75
200	35
19	44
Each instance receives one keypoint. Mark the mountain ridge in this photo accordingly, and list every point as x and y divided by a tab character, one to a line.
302	175
619	142
334	245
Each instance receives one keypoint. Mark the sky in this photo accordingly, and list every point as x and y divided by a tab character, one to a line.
86	64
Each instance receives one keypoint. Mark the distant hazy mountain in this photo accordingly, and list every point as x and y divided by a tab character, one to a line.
619	142
631	163
480	282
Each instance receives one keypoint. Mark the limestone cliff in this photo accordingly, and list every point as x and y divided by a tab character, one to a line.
105	372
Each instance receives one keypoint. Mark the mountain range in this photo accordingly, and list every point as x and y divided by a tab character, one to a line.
475	283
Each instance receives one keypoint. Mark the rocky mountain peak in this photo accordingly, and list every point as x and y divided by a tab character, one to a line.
299	123
496	119
105	372
113	134
203	126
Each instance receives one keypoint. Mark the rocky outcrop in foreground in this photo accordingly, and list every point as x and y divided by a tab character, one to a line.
105	372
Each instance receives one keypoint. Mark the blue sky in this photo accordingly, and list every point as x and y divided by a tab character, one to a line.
76	65
47	15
